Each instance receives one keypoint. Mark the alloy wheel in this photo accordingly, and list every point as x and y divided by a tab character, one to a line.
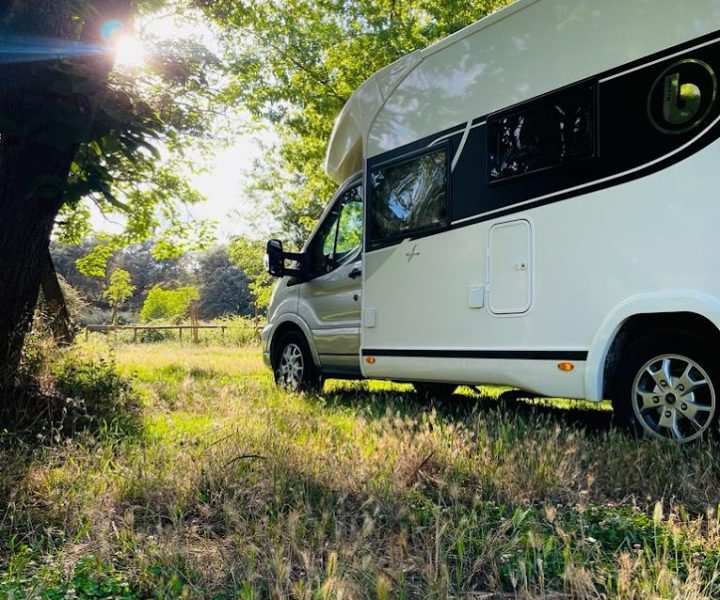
674	397
292	367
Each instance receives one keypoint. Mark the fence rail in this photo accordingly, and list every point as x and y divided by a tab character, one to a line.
179	328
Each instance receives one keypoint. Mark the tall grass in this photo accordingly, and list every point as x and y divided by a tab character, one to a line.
230	488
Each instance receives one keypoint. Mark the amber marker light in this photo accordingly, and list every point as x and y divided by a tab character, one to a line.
370	360
566	366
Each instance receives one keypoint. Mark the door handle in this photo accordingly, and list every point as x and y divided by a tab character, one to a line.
355	273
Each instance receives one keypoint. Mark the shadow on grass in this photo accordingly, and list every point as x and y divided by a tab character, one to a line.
464	406
101	405
86	401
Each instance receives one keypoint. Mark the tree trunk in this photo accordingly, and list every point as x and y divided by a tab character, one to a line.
25	228
58	314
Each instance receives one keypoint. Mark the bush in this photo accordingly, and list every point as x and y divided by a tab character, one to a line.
153	336
97	397
239	331
61	392
172	305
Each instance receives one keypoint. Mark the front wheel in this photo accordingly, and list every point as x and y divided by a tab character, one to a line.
667	386
293	365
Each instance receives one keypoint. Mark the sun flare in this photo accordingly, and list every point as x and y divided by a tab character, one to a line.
129	52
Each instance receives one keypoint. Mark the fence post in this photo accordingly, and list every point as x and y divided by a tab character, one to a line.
135	335
180	333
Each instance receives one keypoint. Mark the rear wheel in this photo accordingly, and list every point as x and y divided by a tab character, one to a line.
293	365
428	392
667	386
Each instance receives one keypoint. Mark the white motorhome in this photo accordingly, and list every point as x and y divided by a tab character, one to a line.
533	201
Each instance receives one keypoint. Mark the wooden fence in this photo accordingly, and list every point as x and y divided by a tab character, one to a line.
179	328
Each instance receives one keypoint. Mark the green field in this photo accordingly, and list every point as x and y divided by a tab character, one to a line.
208	482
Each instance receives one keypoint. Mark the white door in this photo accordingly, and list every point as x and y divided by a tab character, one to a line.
510	267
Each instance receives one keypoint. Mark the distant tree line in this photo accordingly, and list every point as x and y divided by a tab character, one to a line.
222	286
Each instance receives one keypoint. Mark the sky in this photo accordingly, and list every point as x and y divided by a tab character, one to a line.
227	172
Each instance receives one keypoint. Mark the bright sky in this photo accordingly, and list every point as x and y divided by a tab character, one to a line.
228	170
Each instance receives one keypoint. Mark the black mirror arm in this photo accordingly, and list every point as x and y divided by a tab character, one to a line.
300	258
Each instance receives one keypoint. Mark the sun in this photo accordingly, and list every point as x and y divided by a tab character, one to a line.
129	52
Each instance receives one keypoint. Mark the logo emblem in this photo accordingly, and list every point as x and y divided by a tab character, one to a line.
413	253
682	96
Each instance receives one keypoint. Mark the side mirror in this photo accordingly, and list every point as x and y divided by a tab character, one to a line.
275	258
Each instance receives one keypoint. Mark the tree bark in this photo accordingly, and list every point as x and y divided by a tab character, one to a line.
57	311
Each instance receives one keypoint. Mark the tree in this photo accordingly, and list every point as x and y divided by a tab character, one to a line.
295	63
47	110
146	271
224	288
118	291
171	305
56	308
72	128
249	256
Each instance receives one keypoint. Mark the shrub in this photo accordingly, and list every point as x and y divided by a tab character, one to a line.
152	336
59	392
239	331
96	396
168	304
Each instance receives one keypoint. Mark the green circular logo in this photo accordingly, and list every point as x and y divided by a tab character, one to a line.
682	96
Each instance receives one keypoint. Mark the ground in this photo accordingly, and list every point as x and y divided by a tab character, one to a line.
213	484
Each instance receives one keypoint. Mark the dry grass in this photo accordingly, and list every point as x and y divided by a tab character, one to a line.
234	489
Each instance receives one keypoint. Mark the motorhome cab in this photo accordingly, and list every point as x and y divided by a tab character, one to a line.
533	201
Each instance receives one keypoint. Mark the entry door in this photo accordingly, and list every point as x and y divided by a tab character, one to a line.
510	267
330	302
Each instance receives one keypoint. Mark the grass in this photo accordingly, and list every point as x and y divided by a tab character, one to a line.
225	487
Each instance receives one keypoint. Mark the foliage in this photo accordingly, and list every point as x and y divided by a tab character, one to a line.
249	256
223	285
171	103
60	393
119	289
224	290
296	63
372	493
137	259
97	396
169	305
65	256
74	299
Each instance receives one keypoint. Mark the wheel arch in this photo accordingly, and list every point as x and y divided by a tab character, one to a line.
293	324
690	312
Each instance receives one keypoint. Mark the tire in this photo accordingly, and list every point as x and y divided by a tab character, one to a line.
293	365
666	386
439	392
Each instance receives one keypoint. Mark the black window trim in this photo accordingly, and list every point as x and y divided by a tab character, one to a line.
588	85
376	244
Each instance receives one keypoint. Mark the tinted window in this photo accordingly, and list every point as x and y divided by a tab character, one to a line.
409	196
546	134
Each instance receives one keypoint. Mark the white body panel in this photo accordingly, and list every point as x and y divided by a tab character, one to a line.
591	273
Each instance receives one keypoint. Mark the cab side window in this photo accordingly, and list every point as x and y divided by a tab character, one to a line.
339	238
350	223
